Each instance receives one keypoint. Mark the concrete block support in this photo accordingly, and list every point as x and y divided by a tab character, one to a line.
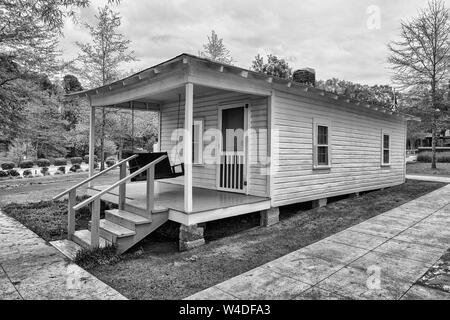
270	217
319	203
191	237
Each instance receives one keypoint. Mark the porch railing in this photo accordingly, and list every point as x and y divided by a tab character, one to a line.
95	200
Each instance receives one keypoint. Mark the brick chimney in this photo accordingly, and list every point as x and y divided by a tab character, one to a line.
305	76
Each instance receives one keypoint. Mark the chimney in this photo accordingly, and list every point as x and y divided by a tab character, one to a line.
305	76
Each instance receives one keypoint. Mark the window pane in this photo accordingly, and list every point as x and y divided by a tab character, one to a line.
386	141
386	156
322	135
322	156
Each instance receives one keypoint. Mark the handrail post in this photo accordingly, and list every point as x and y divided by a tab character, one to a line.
150	189
122	187
71	214
95	223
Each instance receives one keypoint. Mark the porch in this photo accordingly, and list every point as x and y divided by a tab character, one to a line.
212	122
208	205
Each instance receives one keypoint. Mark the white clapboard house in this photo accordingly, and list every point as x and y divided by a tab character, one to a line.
298	144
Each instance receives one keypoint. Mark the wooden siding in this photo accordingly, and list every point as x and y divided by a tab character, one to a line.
204	176
355	150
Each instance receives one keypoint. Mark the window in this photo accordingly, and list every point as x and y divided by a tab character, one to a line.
322	152
197	142
386	147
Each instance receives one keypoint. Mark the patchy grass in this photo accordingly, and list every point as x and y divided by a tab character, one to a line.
422	168
438	277
158	271
48	219
90	258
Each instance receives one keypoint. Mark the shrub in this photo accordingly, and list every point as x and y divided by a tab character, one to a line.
43	163
89	258
76	160
8	166
26	164
443	157
86	159
3	174
110	162
61	170
60	162
28	174
45	171
13	173
75	168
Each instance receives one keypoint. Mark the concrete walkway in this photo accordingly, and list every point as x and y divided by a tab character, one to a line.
380	258
428	178
30	269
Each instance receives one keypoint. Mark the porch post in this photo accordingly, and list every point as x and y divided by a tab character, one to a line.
187	150
91	142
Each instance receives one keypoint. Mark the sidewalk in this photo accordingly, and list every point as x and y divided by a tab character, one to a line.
30	269
428	178
380	258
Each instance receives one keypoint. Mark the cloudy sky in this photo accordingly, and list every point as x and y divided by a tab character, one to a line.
345	39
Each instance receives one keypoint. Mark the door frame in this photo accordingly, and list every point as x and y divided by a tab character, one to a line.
246	105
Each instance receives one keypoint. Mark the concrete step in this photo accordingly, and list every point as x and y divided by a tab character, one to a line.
126	219
68	248
112	231
83	238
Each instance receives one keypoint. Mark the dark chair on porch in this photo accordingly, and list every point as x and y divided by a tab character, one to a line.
163	170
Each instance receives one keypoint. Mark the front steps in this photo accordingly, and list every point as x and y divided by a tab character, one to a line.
122	228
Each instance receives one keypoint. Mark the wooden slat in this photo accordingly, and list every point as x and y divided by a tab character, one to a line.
150	189
71	214
95	223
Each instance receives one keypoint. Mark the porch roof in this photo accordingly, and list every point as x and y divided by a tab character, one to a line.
172	74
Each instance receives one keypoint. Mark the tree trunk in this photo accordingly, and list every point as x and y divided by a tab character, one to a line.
433	144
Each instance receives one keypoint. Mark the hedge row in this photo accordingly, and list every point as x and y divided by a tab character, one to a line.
443	157
9	173
43	163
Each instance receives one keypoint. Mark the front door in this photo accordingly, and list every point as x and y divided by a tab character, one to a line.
232	171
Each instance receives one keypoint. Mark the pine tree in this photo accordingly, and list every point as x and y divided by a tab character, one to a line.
215	50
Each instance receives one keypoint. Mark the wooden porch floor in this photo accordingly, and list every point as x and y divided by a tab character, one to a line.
169	196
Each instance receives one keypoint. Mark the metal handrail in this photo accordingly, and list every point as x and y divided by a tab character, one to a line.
62	194
118	183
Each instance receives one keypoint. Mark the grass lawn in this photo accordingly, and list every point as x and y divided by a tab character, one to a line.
421	168
155	269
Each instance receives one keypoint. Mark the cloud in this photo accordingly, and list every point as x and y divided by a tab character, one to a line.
328	35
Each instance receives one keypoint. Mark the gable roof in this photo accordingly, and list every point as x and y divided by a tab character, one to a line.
245	73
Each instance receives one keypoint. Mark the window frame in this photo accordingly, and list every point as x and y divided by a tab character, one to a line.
383	149
316	124
198	122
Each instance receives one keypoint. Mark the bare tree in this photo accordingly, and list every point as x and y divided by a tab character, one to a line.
420	61
215	50
101	59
